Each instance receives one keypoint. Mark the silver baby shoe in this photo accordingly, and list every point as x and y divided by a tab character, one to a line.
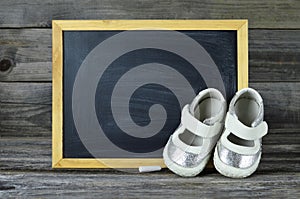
189	148
238	151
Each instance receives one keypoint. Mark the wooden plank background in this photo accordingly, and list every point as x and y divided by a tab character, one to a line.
25	99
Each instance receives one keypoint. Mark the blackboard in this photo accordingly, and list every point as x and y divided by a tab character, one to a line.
122	89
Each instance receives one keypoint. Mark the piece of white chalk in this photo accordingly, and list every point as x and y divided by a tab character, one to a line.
143	169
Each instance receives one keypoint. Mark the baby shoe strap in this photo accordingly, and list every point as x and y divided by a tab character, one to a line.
236	127
197	127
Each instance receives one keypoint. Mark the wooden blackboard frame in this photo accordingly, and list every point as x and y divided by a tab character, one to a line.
58	26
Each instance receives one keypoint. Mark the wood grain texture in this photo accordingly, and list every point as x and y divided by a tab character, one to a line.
30	50
57	95
273	54
22	120
86	25
261	14
26	107
27	153
26	93
280	153
281	103
243	58
155	185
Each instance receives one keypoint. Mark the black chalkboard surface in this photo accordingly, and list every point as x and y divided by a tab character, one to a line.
123	90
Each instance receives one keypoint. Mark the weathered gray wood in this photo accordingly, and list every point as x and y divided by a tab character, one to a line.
31	52
32	93
281	103
281	153
155	185
25	108
23	120
274	54
27	153
261	14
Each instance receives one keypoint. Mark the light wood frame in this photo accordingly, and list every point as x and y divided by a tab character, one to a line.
58	26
